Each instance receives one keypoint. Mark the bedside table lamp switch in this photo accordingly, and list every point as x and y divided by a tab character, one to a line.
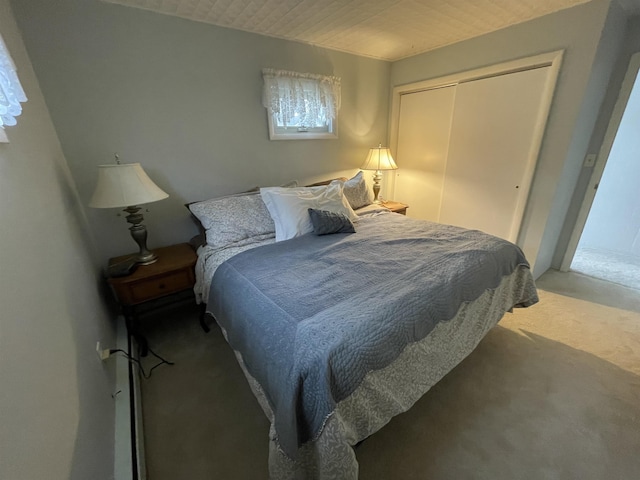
127	185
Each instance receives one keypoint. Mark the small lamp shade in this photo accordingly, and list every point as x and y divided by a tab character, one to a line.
378	159
124	185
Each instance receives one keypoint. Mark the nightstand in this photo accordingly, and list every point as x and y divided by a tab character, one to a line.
396	207
171	274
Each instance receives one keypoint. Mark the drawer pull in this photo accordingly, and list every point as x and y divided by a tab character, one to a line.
161	286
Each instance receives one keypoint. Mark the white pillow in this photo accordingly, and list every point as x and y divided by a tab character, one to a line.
289	207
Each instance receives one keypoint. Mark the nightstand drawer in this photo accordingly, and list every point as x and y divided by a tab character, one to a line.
160	286
173	272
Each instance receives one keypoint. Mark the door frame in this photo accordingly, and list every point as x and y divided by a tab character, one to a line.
601	160
550	59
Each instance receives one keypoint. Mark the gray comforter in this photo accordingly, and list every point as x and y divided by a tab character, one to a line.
313	315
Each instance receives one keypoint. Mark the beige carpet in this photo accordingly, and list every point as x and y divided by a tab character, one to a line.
552	392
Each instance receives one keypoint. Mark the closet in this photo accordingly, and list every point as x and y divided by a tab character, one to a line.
466	147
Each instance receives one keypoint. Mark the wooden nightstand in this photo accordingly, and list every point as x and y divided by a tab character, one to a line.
172	273
396	207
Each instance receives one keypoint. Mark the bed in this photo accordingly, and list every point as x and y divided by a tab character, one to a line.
337	333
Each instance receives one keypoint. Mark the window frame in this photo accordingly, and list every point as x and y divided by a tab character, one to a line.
278	132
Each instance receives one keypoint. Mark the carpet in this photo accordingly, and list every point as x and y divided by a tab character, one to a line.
611	266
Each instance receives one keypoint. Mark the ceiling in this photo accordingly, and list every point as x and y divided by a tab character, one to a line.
384	29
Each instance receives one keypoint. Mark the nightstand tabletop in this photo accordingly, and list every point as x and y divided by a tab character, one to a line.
396	207
170	259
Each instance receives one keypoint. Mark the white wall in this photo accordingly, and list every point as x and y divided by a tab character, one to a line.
614	219
581	87
184	99
56	410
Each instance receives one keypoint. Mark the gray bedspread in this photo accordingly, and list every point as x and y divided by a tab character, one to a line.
313	315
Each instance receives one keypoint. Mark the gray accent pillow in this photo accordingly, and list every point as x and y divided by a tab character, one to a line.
356	191
325	222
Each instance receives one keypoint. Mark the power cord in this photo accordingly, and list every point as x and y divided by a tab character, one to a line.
139	364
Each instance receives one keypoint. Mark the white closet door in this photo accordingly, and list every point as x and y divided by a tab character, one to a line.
495	134
421	154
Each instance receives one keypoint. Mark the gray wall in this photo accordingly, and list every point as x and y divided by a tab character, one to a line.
581	86
614	219
56	410
630	45
184	100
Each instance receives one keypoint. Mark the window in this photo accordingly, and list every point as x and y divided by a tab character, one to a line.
301	105
11	92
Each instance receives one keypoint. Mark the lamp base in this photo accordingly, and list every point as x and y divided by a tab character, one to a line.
377	178
146	258
139	235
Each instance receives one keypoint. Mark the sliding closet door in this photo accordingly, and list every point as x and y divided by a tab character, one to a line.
495	135
423	143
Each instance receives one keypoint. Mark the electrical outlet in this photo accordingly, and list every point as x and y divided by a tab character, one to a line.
102	354
589	160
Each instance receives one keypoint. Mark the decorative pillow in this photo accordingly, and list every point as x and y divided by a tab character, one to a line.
325	223
356	191
233	218
289	207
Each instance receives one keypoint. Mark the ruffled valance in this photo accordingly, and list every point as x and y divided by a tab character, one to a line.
301	98
11	92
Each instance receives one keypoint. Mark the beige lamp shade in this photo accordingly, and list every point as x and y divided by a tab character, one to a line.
124	185
379	158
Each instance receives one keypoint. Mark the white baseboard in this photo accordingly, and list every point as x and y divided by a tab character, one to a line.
129	456
139	423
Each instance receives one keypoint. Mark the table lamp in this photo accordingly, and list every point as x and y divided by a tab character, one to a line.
127	185
379	158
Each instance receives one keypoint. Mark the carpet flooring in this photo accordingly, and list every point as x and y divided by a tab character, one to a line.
552	392
605	265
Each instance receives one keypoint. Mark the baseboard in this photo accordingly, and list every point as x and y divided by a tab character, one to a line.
138	430
129	441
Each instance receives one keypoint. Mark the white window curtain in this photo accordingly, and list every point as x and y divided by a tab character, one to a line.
11	92
301	99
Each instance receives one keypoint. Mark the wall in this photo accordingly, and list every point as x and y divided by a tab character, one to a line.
184	99
56	410
614	219
630	45
579	91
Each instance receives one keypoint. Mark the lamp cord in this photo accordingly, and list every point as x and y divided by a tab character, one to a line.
139	364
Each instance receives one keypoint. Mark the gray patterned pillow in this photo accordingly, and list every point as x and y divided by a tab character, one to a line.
233	218
356	191
325	222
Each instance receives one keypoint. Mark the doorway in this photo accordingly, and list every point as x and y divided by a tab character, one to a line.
609	246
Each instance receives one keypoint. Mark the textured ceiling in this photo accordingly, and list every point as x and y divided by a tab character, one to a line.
385	29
